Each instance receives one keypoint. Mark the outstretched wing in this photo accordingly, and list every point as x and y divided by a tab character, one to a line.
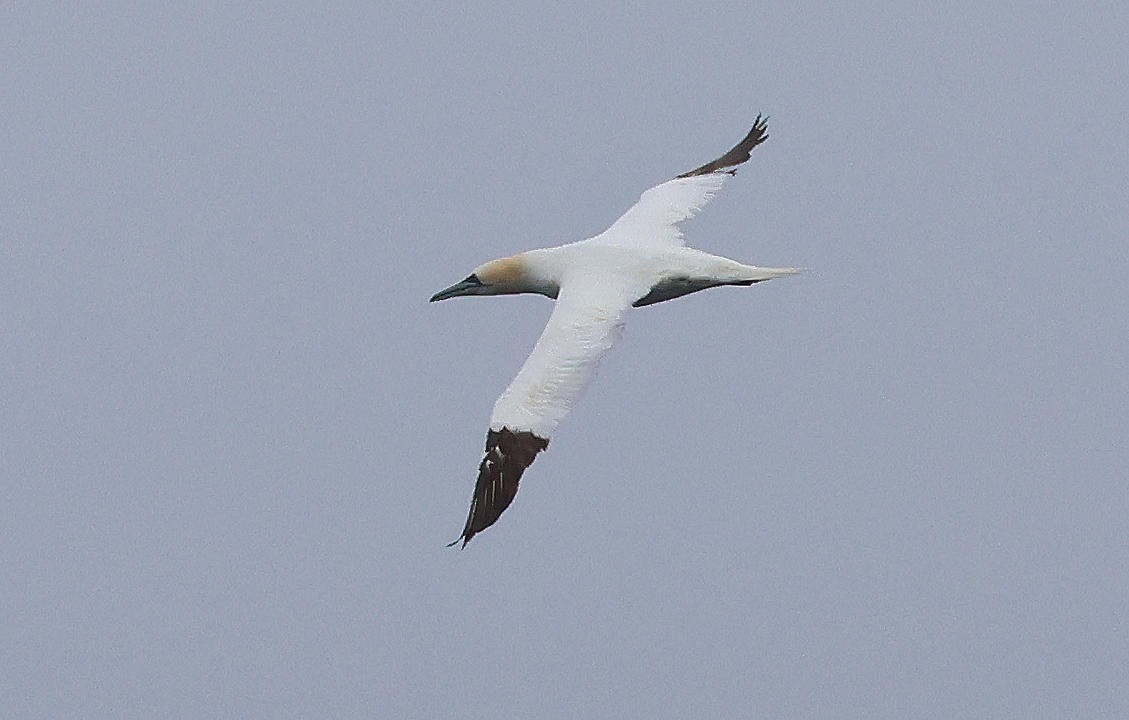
654	219
584	325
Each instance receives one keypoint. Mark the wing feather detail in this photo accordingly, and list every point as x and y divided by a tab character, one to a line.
738	154
654	219
508	454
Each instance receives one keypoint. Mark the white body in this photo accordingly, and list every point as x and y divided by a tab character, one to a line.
595	282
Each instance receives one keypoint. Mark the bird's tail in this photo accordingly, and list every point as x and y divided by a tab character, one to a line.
752	274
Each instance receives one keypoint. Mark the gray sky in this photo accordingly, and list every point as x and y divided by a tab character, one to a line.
237	437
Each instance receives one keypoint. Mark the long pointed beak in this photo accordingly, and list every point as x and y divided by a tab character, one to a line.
460	288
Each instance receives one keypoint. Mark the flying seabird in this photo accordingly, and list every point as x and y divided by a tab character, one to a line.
640	260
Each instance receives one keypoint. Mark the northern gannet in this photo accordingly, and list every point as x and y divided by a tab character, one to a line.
640	260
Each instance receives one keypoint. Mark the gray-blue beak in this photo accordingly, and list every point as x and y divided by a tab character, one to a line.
466	287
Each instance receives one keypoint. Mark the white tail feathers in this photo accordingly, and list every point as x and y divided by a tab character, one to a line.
763	273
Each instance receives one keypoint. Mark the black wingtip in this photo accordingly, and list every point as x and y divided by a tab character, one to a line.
508	454
738	154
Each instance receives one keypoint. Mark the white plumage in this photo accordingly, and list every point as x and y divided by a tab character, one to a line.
586	321
654	219
639	260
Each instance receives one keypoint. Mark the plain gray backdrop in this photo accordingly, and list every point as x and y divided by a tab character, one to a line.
236	437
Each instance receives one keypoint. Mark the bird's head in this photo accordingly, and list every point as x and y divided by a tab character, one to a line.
505	276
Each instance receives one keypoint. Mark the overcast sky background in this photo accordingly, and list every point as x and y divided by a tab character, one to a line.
236	437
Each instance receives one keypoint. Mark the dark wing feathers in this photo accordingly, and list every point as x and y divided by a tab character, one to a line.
739	153
675	287
508	454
